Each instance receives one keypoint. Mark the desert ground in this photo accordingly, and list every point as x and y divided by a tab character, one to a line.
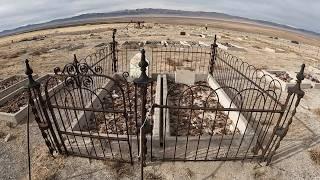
269	48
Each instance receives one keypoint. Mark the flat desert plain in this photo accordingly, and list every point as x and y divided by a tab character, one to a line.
265	47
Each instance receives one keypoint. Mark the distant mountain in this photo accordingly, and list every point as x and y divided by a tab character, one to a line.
102	17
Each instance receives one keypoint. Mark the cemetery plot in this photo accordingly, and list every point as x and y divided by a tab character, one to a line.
196	122
315	82
105	119
14	107
11	84
285	78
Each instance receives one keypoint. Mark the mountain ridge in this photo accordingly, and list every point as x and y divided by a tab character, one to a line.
90	17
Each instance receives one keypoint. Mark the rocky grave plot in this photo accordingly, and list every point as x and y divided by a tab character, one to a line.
285	79
14	106
20	99
284	76
115	123
153	44
192	43
173	43
132	44
185	122
11	81
314	80
12	84
231	47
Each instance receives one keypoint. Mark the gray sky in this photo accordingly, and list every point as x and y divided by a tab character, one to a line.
297	13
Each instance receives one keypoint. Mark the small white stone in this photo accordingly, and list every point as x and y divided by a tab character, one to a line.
7	138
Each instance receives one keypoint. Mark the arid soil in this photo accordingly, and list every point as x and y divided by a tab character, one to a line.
195	123
10	81
297	157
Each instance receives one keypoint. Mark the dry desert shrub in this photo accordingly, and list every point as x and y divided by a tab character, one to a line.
317	111
73	47
315	155
257	47
39	51
153	175
189	173
14	54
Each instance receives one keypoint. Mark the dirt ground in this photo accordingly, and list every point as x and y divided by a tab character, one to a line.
55	47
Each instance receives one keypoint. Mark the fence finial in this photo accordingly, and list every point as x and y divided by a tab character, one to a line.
75	60
29	73
114	31
300	75
297	87
215	41
213	54
143	64
113	49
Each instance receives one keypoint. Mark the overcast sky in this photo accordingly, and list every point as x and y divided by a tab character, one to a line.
297	13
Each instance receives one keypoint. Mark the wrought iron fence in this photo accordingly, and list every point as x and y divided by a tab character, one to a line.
163	57
91	108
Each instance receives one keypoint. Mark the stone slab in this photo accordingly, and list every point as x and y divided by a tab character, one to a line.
134	69
185	77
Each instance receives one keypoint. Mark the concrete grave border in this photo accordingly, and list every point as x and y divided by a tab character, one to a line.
306	84
19	116
15	86
224	101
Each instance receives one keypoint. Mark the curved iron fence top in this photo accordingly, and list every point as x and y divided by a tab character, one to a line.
189	92
255	75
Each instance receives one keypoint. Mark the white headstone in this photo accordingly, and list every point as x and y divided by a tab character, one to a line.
134	70
222	46
185	77
204	44
184	43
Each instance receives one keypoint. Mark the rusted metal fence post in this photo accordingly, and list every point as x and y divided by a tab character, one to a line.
39	108
161	113
282	127
213	54
113	49
142	82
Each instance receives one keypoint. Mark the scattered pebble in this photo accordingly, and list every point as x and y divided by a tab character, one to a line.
7	138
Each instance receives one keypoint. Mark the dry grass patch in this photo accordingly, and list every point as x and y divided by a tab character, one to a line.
120	169
174	63
315	155
317	111
14	54
153	175
189	173
45	166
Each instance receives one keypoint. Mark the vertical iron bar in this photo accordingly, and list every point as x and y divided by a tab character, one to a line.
114	58
213	54
43	125
143	82
161	113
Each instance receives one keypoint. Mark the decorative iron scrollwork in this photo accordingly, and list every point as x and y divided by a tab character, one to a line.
78	74
76	68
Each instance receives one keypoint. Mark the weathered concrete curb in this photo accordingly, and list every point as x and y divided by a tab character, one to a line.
306	84
225	101
19	116
14	87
